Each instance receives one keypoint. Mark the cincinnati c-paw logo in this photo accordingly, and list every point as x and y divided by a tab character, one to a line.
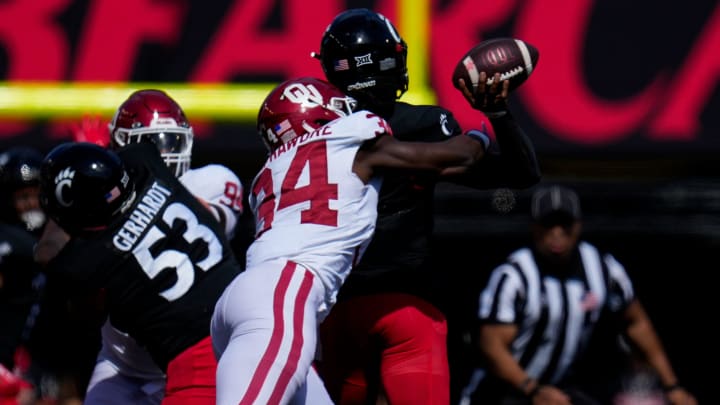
63	181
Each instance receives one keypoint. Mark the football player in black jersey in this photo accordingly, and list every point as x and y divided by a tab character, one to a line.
158	255
386	298
20	179
20	278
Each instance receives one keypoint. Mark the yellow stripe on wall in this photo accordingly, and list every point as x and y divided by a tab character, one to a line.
42	100
414	24
232	102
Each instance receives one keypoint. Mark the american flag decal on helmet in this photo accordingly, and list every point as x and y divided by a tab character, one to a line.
341	64
282	127
112	195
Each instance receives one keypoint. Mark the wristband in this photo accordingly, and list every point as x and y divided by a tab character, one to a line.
479	136
495	114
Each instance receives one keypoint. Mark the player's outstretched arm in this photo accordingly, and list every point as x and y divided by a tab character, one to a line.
512	162
451	157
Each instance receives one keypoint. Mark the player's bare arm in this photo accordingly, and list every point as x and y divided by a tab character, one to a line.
385	152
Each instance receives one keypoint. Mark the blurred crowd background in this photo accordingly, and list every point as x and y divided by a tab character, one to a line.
623	106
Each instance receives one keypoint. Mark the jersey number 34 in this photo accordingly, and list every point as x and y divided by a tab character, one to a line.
318	191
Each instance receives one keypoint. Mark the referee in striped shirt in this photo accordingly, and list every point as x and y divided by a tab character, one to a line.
540	308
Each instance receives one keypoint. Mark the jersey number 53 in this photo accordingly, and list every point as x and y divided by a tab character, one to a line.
175	259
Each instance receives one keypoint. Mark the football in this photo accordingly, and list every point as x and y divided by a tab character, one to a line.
513	58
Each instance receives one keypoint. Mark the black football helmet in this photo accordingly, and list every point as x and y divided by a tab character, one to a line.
20	179
362	54
83	187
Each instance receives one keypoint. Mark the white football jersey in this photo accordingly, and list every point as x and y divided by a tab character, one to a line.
219	187
309	205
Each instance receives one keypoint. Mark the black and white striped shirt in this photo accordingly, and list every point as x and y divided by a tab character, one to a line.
555	315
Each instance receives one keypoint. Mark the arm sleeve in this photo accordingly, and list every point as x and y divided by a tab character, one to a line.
511	163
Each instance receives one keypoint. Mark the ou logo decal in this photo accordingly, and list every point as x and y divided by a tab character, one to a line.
306	95
63	180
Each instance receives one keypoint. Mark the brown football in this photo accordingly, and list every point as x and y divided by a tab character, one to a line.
513	58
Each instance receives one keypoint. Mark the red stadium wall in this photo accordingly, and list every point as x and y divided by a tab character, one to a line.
614	76
623	88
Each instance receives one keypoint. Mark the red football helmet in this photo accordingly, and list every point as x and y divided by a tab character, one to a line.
153	116
299	106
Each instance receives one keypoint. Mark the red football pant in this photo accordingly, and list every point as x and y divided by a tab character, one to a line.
191	376
397	340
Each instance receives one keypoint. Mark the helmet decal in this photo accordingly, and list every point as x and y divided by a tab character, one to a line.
363	60
307	95
84	186
387	64
362	53
341	64
63	181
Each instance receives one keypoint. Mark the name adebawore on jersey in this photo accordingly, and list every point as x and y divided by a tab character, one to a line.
322	131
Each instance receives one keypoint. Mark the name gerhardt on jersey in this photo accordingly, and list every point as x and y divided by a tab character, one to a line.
219	187
141	216
162	264
310	206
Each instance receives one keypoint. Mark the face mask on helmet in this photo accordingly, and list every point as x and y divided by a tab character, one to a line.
19	182
84	187
362	53
26	205
33	219
152	116
299	106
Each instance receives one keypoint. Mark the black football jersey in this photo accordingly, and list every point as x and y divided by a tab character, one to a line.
396	257
19	288
404	227
162	265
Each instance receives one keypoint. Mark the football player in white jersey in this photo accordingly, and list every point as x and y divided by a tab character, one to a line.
315	205
124	372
